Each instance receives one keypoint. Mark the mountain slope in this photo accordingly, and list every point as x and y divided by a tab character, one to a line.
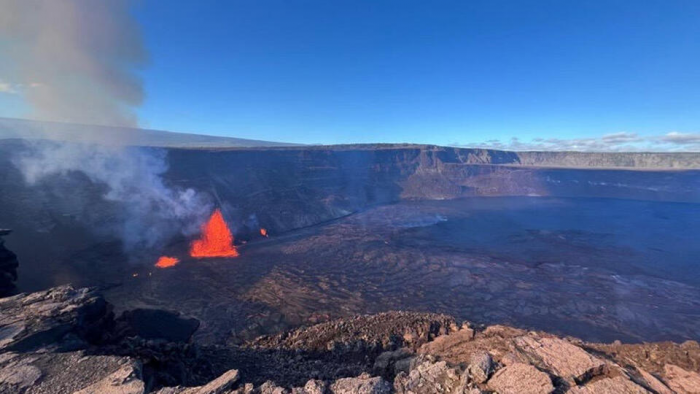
30	129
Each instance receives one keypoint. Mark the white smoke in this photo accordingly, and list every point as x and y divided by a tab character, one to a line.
78	62
151	212
76	58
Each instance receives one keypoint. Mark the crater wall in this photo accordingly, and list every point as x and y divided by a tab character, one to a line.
64	219
292	188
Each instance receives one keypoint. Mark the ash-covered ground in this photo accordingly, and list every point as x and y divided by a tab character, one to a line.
598	269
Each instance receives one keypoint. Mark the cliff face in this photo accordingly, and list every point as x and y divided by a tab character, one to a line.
650	160
8	267
290	188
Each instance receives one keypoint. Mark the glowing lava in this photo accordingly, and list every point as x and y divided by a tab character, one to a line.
216	241
167	262
263	232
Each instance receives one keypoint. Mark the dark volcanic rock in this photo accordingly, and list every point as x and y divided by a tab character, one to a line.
432	356
156	324
61	373
61	318
286	189
8	267
367	334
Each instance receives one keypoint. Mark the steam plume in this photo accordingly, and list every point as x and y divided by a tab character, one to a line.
75	58
150	211
76	61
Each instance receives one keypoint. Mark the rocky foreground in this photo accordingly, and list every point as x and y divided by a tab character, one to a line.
8	267
67	340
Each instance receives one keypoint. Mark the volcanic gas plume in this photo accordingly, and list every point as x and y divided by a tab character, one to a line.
79	61
216	240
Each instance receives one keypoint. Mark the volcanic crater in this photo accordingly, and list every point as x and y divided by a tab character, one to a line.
529	240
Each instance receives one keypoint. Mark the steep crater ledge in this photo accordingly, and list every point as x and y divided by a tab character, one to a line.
295	187
289	188
66	340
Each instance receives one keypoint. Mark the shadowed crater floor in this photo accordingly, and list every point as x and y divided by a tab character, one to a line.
598	269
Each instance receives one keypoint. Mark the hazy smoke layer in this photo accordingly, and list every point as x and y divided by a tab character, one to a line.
75	57
150	211
75	61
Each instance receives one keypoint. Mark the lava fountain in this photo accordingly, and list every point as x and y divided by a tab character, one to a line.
167	262
216	240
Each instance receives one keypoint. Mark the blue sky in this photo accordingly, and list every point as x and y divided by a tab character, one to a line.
440	72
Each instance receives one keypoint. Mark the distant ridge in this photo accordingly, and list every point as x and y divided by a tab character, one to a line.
31	129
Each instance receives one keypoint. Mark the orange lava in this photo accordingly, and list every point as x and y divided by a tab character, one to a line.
263	232
167	262
216	241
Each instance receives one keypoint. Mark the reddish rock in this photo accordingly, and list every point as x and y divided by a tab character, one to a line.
616	385
682	381
562	358
650	381
363	384
521	379
428	378
480	366
313	386
126	380
445	342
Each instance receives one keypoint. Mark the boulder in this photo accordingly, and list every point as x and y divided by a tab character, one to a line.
270	387
126	380
247	388
220	385
480	366
503	331
615	385
521	379
443	343
62	318
650	381
18	375
562	358
458	347
313	386
363	384
429	377
680	380
390	363
67	372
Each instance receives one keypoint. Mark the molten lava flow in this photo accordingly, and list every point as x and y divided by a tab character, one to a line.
263	232
166	262
216	241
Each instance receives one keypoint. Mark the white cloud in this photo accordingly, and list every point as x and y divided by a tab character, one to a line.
616	142
677	138
623	137
17	88
8	88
